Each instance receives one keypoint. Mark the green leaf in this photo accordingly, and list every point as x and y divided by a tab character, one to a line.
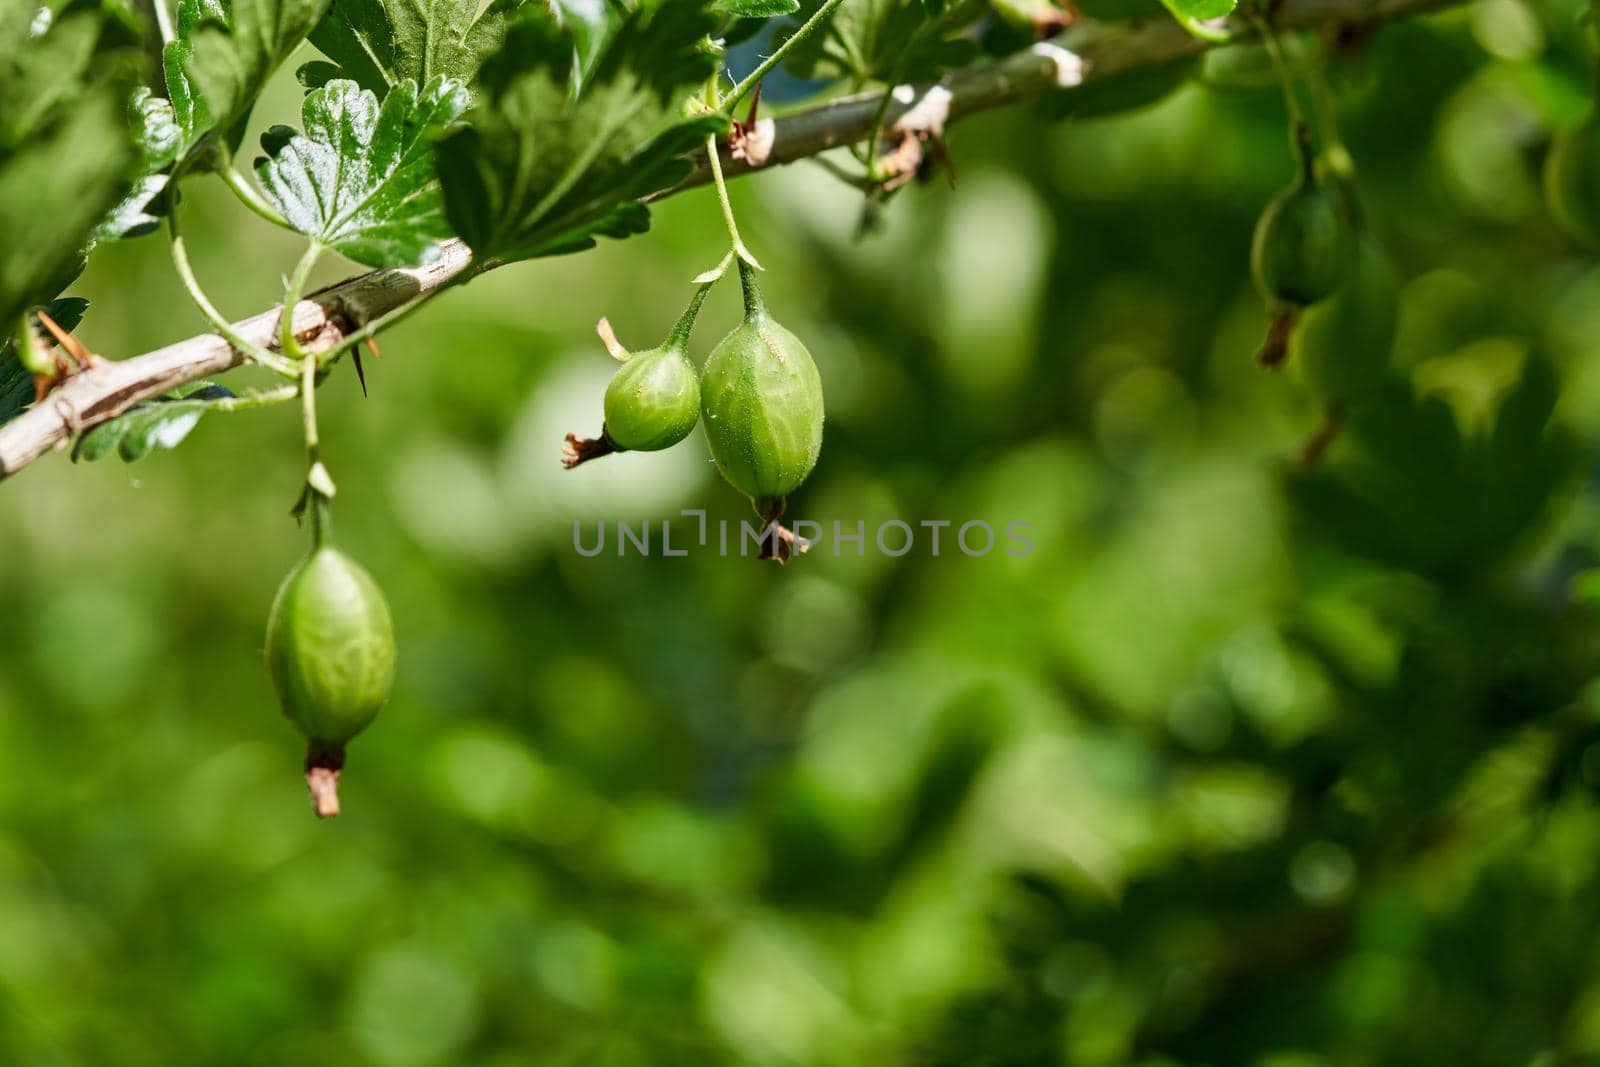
48	60
1193	15
16	383
542	169
162	423
1201	10
66	153
1412	489
156	133
224	53
888	40
381	43
759	9
155	129
138	213
360	179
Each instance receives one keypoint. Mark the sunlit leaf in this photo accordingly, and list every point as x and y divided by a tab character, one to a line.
360	179
381	43
222	57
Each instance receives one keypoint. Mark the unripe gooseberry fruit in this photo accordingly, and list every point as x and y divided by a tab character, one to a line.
1300	252
331	655
1342	345
653	401
761	398
1572	182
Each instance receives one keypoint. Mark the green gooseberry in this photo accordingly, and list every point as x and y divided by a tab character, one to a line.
761	400
331	655
1300	252
653	401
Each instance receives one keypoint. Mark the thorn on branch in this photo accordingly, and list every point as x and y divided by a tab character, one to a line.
751	140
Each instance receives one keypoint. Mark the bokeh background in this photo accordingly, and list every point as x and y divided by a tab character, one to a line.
1244	764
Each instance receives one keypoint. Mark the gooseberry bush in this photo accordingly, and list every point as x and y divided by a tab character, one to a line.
438	141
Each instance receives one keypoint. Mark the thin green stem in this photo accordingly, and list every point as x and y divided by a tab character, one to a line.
250	197
679	338
1336	156
721	184
288	344
180	261
740	91
308	407
1269	38
264	398
319	485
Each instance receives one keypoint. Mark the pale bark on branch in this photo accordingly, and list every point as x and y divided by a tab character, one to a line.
1080	55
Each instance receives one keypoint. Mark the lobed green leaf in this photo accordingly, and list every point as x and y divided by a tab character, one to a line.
381	43
224	52
545	166
360	179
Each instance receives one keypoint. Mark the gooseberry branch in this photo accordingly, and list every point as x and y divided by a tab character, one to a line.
355	308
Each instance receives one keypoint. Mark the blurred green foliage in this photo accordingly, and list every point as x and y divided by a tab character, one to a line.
1242	765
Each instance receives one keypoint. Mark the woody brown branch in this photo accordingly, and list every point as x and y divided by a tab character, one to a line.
1084	53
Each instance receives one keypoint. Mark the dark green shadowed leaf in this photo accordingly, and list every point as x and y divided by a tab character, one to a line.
360	179
223	55
903	40
48	61
540	169
159	424
317	73
1412	489
66	152
54	190
381	43
16	384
